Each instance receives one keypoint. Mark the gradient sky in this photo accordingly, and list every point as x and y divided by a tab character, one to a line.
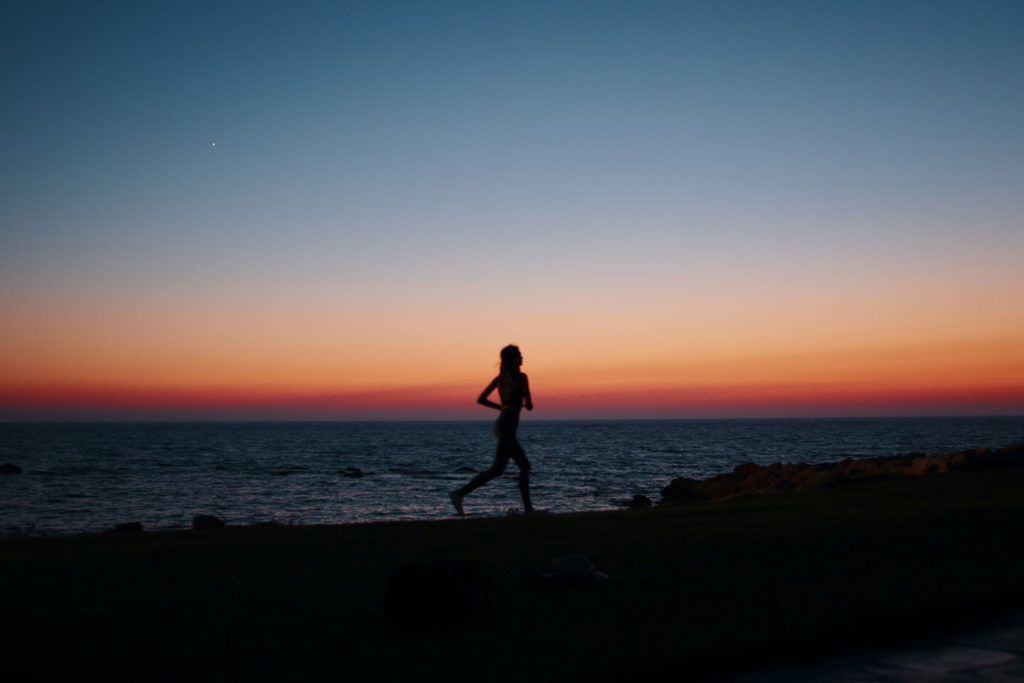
335	210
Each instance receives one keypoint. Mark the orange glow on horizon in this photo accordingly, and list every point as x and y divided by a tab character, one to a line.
429	363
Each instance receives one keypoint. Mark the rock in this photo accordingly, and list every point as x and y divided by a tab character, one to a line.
204	522
683	490
443	592
750	478
924	465
574	568
638	501
745	470
9	468
353	472
128	528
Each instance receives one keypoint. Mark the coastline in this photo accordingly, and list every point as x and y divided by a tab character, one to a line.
88	478
705	590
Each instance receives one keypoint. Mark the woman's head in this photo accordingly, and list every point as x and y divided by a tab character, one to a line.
511	358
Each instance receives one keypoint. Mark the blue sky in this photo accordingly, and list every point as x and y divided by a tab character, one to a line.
413	116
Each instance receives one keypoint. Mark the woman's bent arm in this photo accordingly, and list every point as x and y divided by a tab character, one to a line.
484	401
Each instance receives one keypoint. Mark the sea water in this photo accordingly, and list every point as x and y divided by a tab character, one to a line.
86	477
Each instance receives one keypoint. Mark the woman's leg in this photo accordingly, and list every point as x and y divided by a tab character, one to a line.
495	470
519	455
500	461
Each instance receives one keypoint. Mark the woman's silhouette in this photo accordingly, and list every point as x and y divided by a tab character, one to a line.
514	389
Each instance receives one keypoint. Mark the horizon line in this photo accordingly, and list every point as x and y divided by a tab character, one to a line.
342	420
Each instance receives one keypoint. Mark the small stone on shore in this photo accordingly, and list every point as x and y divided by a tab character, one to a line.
204	522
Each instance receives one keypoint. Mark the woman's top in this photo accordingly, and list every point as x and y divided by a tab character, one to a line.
511	391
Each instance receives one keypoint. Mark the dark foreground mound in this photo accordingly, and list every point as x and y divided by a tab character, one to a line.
751	478
695	592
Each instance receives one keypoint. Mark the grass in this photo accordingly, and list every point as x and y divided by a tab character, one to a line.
697	591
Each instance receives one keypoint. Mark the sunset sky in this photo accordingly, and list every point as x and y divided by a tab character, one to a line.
341	210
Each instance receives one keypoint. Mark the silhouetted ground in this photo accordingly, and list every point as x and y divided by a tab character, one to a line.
993	652
697	591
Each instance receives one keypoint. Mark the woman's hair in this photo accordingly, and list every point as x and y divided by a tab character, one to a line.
510	375
510	360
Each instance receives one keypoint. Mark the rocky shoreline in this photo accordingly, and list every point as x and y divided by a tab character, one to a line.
753	479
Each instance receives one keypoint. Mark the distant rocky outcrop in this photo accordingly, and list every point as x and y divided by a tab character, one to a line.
751	478
128	528
9	468
352	472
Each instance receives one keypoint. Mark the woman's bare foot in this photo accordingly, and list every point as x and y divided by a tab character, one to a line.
456	499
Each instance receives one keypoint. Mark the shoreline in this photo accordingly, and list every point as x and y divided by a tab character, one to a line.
745	479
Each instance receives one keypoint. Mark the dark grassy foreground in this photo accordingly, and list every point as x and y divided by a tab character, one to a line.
697	591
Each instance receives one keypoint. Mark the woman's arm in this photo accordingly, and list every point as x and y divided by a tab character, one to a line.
526	393
484	401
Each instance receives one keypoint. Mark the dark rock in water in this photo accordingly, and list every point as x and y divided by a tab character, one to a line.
128	528
292	469
203	522
750	478
465	468
353	472
9	468
444	592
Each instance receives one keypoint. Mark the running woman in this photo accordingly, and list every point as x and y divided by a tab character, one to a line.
514	389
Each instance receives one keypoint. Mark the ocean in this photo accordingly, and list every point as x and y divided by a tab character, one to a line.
87	477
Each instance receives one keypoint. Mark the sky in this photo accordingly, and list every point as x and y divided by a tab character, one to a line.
343	210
